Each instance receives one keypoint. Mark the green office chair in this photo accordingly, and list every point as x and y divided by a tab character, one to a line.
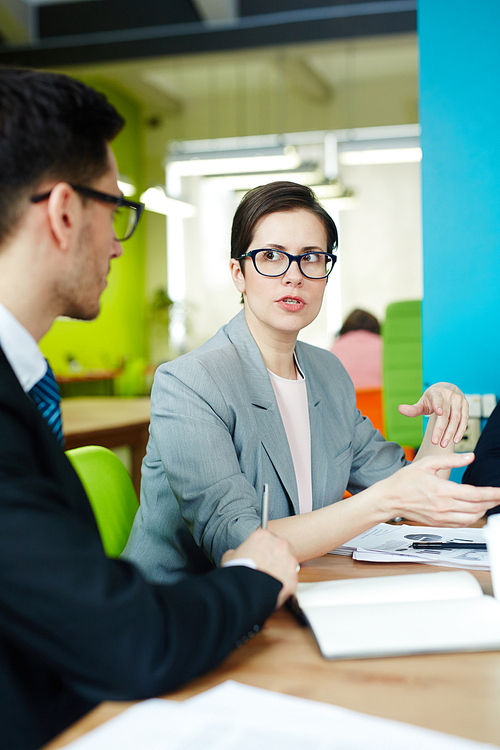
110	491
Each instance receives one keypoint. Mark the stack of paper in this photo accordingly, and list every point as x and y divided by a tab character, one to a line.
232	716
388	543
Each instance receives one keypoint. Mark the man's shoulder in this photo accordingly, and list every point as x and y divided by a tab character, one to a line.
11	392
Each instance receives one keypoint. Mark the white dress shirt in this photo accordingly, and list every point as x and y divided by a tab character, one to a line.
21	350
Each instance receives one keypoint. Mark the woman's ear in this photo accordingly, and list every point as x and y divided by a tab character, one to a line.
65	211
237	275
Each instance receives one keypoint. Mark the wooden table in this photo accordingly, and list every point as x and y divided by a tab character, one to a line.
111	422
454	693
87	383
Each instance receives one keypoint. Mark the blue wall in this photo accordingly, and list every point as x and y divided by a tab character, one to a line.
460	117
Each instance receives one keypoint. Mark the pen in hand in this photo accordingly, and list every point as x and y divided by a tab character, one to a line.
264	511
448	545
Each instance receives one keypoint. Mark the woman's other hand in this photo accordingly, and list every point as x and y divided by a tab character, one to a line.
449	405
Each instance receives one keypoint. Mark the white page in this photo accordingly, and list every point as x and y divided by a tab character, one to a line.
342	728
168	725
388	536
233	716
376	630
382	532
398	539
394	557
419	586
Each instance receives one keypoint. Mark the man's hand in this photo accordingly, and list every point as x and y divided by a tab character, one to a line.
271	555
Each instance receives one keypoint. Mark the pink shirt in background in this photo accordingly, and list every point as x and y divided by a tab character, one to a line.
361	354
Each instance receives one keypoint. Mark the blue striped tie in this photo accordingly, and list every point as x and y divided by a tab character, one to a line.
46	396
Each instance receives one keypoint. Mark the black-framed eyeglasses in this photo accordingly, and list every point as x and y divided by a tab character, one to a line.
126	215
314	265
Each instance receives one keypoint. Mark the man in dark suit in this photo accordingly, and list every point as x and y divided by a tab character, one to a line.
77	627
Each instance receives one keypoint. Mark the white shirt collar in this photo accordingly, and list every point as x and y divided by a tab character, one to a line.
21	350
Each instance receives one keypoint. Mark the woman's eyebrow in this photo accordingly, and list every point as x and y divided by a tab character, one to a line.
306	249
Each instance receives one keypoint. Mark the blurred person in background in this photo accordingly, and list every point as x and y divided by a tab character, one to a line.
359	348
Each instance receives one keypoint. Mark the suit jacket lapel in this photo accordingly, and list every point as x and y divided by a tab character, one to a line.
319	458
267	416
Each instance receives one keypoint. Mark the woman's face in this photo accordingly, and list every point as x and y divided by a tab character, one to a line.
290	302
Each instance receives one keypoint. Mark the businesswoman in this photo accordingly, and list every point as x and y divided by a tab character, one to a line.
254	405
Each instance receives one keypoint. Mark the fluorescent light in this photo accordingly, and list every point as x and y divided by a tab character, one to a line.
380	156
332	190
343	203
248	181
155	199
126	185
237	162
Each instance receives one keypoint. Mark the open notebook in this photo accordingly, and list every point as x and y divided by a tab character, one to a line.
397	615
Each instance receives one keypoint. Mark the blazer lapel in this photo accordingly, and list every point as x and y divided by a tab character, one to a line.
265	408
319	456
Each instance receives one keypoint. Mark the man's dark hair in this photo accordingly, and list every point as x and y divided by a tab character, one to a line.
51	127
267	199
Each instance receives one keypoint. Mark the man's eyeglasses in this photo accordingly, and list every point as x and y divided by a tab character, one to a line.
126	216
276	262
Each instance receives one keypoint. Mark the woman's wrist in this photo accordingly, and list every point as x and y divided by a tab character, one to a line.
381	501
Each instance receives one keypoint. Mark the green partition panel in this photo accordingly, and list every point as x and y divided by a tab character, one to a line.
402	370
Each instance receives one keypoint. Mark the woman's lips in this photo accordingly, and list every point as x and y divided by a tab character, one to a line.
292	304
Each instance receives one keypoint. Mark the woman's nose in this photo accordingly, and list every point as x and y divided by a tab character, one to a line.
293	274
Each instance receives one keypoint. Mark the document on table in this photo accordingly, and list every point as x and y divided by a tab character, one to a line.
422	613
388	543
233	716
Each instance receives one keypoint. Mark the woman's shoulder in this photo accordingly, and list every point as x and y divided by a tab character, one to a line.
217	357
323	370
318	357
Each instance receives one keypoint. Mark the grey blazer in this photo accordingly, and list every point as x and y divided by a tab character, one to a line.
216	436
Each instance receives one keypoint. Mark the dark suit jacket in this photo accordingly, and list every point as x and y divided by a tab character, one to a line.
485	469
76	627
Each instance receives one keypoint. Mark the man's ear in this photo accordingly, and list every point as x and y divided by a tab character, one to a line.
237	275
65	212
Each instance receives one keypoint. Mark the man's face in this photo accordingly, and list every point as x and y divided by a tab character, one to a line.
95	247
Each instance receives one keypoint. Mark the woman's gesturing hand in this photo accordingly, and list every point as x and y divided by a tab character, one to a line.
417	493
449	405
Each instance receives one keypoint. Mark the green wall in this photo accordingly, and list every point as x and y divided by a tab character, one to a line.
120	330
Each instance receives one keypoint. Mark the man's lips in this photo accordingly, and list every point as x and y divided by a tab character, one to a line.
291	303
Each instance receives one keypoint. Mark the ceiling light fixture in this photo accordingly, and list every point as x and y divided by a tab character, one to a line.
155	199
234	162
306	175
380	156
126	185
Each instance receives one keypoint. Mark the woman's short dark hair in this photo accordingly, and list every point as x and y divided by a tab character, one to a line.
360	320
268	199
51	127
